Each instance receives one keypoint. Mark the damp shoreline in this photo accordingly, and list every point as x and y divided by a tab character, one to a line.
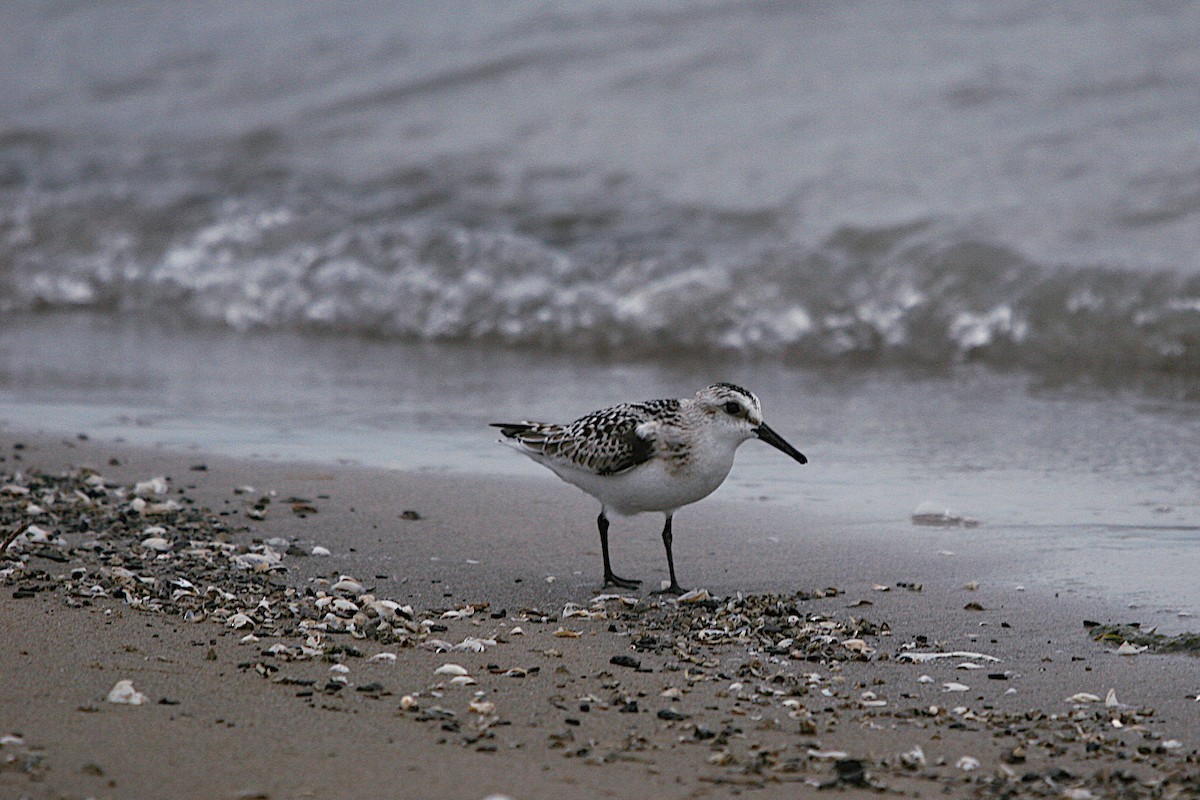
789	669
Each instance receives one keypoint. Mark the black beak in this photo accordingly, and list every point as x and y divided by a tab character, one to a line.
775	440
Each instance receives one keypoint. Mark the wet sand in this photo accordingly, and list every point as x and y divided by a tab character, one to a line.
801	680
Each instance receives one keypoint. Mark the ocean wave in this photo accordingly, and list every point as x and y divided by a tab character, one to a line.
918	294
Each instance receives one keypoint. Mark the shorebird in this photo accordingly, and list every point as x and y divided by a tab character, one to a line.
659	455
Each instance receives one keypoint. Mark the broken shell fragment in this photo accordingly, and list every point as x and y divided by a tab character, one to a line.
1083	697
123	693
240	620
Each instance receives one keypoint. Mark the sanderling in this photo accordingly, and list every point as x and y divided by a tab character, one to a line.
659	455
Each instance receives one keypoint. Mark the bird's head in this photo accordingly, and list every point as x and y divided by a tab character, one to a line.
736	412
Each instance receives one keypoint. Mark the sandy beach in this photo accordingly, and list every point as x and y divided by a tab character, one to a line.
267	671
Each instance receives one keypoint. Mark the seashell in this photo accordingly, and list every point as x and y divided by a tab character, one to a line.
347	584
695	596
36	535
1078	793
256	562
913	758
485	707
567	633
339	669
156	543
450	669
967	763
123	693
408	702
389	609
462	680
240	620
516	631
671	693
344	606
34	510
856	646
968	665
925	679
321	551
437	645
921	658
249	638
13	489
150	488
389	658
473	645
1127	649
827	755
1083	697
955	687
1110	699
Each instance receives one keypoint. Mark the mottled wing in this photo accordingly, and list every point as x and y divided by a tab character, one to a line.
604	442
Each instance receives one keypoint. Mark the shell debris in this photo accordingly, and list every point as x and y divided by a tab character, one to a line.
123	693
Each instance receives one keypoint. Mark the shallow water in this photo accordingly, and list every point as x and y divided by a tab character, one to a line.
1088	492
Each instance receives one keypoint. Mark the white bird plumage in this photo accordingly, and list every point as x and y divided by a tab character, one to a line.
659	455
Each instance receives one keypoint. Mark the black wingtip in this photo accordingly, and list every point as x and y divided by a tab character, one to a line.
509	429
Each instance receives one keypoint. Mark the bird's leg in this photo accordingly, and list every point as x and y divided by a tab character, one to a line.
611	579
674	588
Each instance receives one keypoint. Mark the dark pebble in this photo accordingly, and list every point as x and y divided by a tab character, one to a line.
851	771
625	661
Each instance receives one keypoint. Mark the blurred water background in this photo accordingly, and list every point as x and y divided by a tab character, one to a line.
955	247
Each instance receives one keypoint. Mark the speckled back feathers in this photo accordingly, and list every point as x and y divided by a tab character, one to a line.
604	442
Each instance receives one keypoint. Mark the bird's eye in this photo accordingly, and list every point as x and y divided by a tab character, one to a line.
733	409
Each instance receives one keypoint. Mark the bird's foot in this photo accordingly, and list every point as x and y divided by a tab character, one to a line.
674	589
625	583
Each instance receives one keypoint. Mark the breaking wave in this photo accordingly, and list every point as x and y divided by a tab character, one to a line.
916	294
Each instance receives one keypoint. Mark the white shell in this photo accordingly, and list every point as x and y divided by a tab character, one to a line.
123	692
485	707
321	551
240	620
347	584
154	486
450	669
